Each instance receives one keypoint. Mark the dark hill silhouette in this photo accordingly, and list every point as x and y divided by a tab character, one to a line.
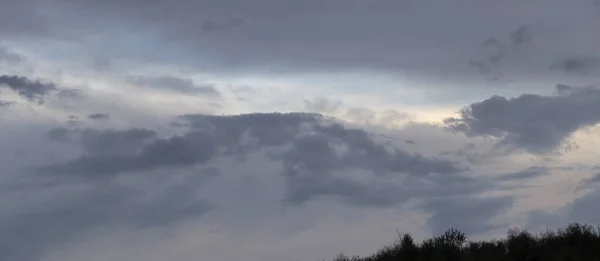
574	243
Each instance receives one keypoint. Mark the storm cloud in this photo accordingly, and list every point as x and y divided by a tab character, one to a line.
169	130
534	122
34	91
39	230
319	149
578	65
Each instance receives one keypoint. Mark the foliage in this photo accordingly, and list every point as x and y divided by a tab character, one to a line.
574	243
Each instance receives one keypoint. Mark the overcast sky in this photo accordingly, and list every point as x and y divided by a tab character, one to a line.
272	130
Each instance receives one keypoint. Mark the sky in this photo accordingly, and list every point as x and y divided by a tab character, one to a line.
291	130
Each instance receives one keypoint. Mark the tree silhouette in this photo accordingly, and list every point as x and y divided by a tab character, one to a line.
573	243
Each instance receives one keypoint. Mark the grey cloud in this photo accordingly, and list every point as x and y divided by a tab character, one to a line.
595	179
172	152
73	120
71	94
318	154
582	210
410	142
102	63
60	134
525	174
218	26
262	129
364	151
313	161
105	142
497	51
578	65
114	142
335	36
5	104
360	114
35	91
9	56
174	84
322	105
534	122
30	235
99	116
452	212
209	135
521	36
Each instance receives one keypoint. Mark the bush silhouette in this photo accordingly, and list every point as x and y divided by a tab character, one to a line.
573	243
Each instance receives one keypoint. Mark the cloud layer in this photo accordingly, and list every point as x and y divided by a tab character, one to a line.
534	122
277	130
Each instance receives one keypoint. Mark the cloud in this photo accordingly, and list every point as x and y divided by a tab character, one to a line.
69	214
521	36
320	149
99	116
315	166
528	173
35	91
6	55
581	209
355	114
71	94
59	134
5	104
225	38
210	26
578	65
451	212
172	83
497	51
534	122
322	105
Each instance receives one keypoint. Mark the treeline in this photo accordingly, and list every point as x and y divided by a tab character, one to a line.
574	243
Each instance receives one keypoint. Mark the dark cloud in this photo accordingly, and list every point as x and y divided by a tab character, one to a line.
469	215
498	51
528	173
209	135
105	142
410	142
319	150
578	65
30	235
534	122
99	116
114	142
311	164
335	36
176	151
521	36
59	134
35	91
174	84
8	56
